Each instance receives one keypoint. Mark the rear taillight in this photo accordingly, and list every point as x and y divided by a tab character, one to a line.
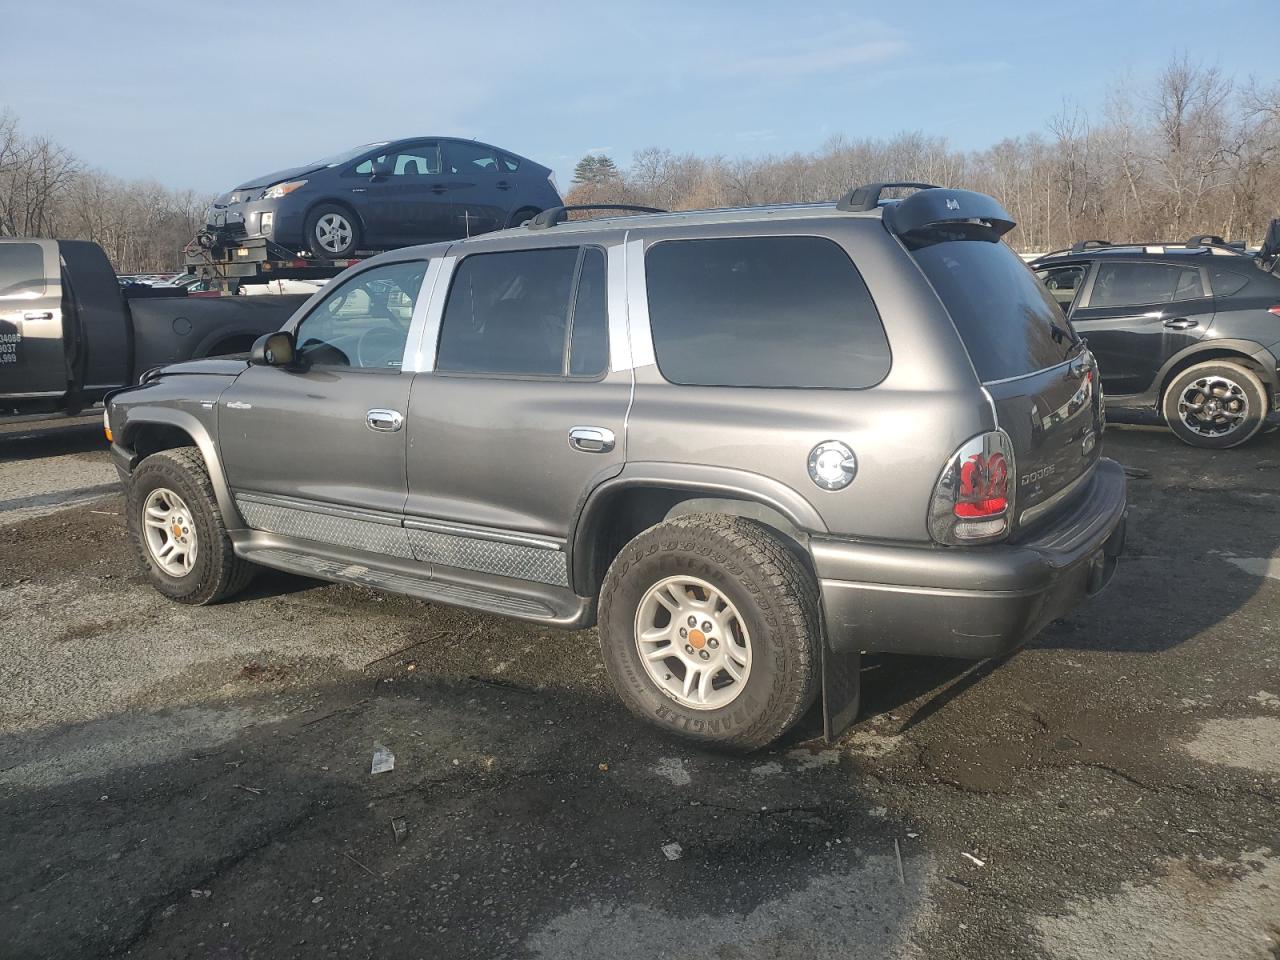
1275	309
973	501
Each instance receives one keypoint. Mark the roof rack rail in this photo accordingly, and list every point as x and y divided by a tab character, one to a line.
867	197
1083	245
553	215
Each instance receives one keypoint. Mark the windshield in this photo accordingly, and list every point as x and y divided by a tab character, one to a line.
1008	321
345	155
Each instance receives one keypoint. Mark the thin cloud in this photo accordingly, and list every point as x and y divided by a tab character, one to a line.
807	62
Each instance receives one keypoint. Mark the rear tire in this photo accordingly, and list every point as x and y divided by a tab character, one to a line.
521	215
175	482
333	232
1215	405
745	601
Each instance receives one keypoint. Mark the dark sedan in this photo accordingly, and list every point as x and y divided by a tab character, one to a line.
383	195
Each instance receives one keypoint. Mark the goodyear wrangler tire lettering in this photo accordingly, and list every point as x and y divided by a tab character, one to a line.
753	574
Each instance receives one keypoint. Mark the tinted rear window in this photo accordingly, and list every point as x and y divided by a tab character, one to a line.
21	270
763	312
1226	282
1009	322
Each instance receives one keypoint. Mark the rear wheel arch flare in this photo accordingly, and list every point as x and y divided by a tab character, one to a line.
612	517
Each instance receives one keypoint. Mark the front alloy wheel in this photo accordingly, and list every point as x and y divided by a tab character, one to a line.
333	233
170	532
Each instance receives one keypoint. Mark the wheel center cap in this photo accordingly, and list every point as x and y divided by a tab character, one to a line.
697	639
177	532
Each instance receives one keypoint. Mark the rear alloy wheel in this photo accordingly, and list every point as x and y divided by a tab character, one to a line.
332	232
521	215
1216	404
709	628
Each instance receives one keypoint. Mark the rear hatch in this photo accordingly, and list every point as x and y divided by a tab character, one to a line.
1041	378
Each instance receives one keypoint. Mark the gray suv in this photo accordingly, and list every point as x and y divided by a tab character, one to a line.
749	445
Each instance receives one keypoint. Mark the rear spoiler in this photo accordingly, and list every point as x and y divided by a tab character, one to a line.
941	207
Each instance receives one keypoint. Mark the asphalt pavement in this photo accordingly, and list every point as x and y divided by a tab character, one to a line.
196	782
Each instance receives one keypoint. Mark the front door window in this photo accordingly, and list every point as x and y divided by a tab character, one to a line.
363	322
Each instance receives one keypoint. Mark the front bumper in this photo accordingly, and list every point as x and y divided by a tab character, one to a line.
978	602
244	219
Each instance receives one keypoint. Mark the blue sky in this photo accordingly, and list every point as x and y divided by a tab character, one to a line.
143	88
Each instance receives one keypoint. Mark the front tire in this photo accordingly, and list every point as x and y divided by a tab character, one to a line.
333	233
177	529
1215	405
709	628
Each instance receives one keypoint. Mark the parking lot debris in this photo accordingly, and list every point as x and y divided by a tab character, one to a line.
672	851
198	894
361	865
384	760
975	860
256	791
1136	473
897	852
399	828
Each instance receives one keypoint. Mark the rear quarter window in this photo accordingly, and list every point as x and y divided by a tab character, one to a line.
1009	322
763	312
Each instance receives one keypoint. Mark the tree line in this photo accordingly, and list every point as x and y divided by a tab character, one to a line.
1193	152
46	191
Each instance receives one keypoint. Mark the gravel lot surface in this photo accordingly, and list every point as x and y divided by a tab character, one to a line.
179	782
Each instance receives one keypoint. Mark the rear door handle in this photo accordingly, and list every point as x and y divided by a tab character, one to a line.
385	421
439	188
1181	323
504	185
38	315
592	439
359	190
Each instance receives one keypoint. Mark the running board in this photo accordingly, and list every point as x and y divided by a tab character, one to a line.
436	591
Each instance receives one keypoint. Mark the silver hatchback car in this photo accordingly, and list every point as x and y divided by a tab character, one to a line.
750	445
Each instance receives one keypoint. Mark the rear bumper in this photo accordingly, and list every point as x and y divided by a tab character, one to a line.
976	603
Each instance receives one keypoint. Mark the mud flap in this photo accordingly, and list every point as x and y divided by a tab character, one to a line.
841	690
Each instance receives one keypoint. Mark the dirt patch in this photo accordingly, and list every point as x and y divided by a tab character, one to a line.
1248	742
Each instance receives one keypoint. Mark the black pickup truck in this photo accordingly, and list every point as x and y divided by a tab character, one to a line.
69	335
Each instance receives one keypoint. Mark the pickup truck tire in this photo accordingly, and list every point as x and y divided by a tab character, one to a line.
1215	405
709	628
333	232
176	481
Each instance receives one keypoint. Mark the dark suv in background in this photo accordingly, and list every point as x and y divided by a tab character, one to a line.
379	196
1191	331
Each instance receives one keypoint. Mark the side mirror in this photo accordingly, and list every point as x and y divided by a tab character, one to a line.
273	350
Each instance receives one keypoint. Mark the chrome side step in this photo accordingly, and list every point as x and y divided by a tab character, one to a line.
423	588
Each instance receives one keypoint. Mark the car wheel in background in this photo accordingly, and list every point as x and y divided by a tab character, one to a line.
332	232
709	629
175	524
521	215
1216	404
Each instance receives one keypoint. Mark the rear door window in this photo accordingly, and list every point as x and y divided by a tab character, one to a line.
1009	322
21	271
470	158
527	313
1129	283
763	312
1063	283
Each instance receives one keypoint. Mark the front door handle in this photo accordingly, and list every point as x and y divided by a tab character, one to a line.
439	188
503	185
359	190
592	439
385	421
1181	323
38	315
